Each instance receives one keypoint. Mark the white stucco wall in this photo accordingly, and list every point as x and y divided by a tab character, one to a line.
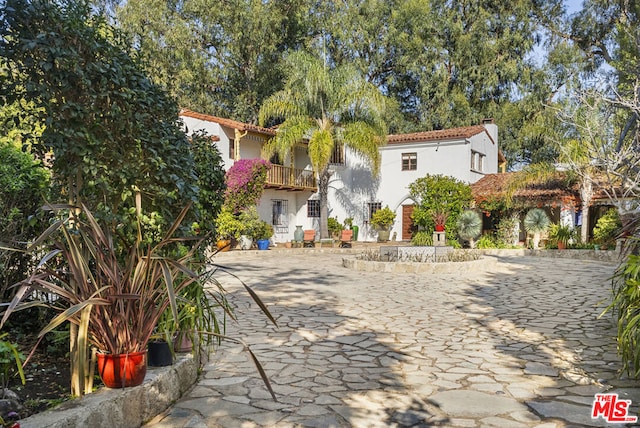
353	185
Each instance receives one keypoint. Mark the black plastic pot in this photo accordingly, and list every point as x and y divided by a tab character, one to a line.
159	354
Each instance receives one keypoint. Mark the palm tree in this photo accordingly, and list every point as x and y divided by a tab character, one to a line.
328	107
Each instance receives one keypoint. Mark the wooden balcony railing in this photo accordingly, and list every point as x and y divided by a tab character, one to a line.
283	177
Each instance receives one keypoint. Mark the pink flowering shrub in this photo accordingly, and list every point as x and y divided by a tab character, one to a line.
246	180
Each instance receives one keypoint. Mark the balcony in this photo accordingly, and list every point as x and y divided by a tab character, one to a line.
293	179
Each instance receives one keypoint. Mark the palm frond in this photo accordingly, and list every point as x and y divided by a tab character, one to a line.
365	140
321	146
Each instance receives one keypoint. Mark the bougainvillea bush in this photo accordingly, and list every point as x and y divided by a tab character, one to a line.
246	180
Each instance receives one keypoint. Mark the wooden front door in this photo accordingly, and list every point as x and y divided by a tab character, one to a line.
407	223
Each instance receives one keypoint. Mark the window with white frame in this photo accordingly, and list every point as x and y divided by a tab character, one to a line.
409	161
280	212
477	161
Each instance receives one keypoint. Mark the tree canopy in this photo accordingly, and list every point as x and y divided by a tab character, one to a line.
112	131
444	63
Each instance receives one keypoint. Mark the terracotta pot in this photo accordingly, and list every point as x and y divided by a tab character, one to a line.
182	342
439	228
122	370
223	245
562	245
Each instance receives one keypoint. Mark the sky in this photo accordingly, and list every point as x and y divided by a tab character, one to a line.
573	5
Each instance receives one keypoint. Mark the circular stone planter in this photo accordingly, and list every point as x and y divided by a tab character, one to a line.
481	265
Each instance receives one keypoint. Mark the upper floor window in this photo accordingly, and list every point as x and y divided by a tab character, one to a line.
337	157
313	208
477	161
232	148
409	161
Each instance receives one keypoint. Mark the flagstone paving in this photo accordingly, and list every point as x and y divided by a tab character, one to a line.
521	346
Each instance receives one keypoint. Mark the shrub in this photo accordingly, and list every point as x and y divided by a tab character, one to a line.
334	226
245	181
211	181
383	218
607	227
438	193
422	238
264	230
23	187
507	233
486	241
560	233
228	225
626	308
250	221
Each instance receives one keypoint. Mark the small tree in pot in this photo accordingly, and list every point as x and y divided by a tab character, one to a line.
382	221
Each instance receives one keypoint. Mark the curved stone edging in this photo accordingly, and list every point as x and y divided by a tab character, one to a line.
484	264
129	407
599	255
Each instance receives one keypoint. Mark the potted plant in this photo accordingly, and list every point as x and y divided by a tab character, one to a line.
607	229
536	222
440	219
469	226
228	229
382	220
334	227
348	223
250	223
115	294
561	234
263	233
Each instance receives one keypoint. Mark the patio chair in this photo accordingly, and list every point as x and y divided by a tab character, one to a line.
308	240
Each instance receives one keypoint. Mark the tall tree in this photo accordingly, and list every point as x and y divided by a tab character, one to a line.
113	132
327	107
449	63
223	59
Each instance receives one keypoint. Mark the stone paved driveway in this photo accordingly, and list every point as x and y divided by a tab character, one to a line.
518	347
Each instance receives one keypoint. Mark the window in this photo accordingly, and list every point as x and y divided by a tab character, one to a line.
280	211
232	148
373	207
477	161
313	208
409	161
337	157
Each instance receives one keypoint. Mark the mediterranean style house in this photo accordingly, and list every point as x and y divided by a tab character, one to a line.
290	199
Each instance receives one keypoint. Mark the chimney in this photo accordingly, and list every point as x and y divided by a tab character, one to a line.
488	121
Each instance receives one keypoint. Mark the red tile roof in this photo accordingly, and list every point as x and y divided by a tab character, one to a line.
494	186
228	123
441	135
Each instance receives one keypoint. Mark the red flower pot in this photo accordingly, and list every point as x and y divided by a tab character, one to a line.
439	228
122	370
